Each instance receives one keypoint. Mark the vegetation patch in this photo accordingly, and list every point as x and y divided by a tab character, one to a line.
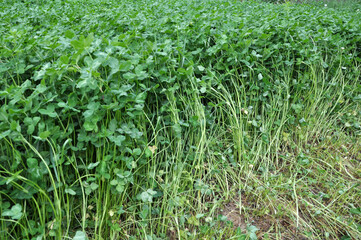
215	119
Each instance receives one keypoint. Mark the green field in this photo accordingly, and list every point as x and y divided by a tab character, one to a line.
166	119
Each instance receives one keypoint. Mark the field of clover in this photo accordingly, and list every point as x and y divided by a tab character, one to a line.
152	119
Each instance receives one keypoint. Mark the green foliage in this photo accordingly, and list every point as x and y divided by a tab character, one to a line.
15	212
79	235
113	104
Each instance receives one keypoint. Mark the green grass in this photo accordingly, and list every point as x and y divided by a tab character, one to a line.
172	119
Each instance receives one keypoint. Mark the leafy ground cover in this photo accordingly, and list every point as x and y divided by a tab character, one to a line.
215	119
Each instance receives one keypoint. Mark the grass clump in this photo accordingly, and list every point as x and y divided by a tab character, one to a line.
179	120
